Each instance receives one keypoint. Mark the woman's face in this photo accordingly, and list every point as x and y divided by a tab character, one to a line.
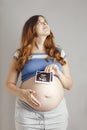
42	27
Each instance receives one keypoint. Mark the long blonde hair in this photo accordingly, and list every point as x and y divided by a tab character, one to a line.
29	34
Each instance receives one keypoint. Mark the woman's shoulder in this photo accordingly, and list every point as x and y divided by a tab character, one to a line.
16	54
62	51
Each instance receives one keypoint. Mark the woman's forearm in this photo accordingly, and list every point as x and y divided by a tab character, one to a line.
66	81
13	89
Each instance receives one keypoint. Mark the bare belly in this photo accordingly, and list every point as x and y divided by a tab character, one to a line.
48	94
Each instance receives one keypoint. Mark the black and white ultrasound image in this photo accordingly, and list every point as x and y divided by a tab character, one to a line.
42	76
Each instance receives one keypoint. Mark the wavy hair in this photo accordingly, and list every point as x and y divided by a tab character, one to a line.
29	33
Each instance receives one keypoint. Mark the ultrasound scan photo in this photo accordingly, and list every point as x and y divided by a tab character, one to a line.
42	76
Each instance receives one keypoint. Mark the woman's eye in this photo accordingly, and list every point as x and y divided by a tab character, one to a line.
42	22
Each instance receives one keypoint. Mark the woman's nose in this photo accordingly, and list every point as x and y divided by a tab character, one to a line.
44	23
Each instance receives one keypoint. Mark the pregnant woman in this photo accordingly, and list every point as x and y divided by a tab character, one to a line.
39	105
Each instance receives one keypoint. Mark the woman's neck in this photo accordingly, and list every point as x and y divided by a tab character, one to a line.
39	44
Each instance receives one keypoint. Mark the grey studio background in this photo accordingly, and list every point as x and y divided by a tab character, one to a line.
68	21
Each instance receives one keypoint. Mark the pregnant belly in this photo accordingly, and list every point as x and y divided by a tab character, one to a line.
48	94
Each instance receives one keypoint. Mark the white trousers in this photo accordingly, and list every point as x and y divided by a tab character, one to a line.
27	118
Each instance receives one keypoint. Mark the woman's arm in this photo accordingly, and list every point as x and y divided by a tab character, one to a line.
24	94
12	79
65	76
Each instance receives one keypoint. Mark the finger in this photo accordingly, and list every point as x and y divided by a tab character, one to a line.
31	101
55	67
34	103
48	69
34	100
51	68
31	91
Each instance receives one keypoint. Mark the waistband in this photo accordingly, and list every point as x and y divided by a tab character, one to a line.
24	105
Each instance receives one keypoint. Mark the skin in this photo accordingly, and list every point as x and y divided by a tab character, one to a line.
30	94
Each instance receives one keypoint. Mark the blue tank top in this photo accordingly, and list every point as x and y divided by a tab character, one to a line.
37	62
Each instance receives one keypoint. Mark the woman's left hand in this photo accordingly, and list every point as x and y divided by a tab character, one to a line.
52	68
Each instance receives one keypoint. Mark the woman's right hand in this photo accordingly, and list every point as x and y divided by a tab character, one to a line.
27	96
